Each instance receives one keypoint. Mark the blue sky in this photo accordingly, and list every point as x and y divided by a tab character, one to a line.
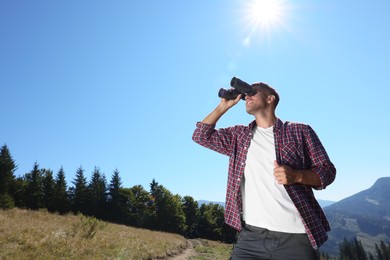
121	85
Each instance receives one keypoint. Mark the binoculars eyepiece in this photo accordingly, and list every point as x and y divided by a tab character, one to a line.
238	87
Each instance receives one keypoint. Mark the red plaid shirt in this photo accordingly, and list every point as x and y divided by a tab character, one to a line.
297	146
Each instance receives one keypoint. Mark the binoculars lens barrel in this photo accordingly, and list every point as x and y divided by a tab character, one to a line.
239	87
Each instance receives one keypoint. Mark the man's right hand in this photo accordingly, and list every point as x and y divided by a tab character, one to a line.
221	109
228	103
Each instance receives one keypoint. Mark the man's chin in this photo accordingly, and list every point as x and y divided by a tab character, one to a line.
249	111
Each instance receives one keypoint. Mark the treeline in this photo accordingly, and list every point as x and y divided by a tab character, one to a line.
353	249
156	209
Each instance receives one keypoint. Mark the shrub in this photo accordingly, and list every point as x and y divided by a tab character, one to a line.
87	227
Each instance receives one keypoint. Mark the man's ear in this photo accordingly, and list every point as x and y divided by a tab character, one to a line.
270	98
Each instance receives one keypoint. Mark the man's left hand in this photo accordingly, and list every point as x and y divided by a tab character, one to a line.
285	175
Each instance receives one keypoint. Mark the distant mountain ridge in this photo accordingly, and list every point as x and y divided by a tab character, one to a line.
374	200
323	203
365	215
200	202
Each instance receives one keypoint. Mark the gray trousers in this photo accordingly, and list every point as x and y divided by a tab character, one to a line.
260	243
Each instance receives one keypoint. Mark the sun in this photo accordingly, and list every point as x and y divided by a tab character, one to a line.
263	17
265	12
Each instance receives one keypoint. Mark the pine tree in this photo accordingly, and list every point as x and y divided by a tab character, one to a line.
115	186
352	250
79	193
118	201
361	253
48	189
151	218
383	251
98	194
7	178
60	193
34	188
153	187
379	252
20	192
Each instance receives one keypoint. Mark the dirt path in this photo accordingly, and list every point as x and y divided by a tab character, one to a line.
204	249
189	251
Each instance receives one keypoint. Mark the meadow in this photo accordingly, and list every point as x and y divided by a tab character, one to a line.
26	234
41	235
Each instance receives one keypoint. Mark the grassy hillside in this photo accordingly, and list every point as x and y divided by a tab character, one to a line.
41	235
26	234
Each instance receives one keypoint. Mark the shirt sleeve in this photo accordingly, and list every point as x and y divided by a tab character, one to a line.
320	162
219	140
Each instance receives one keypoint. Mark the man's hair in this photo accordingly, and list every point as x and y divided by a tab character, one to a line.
269	91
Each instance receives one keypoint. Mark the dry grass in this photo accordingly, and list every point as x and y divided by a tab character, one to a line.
211	250
41	235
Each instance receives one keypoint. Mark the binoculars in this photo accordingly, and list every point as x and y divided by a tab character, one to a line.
239	87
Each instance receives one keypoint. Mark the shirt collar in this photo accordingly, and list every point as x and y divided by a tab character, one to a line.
277	126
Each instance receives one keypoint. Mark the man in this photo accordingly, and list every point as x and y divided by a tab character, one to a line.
273	168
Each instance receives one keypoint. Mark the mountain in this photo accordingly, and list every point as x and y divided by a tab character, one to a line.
200	202
365	215
323	203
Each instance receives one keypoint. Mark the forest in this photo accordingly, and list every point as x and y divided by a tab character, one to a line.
156	208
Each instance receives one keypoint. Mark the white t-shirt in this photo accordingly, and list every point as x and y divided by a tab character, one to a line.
266	203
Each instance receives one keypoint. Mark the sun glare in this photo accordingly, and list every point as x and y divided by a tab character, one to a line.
263	16
265	12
